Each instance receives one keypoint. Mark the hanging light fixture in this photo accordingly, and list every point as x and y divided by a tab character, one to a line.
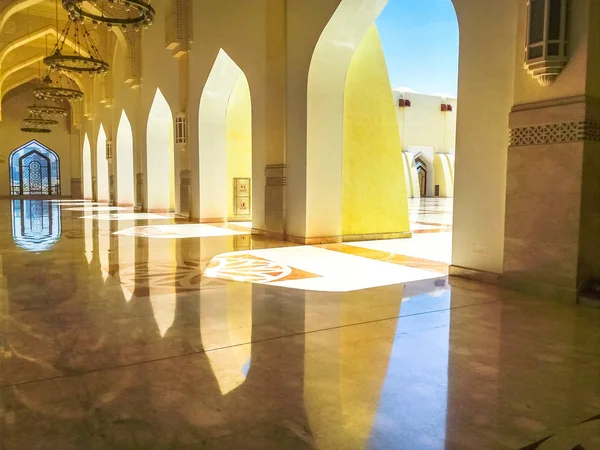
47	110
35	130
86	59
63	88
40	122
118	13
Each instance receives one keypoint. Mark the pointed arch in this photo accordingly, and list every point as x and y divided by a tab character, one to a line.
17	6
34	170
125	168
39	34
160	156
102	189
21	65
86	169
325	113
216	185
19	82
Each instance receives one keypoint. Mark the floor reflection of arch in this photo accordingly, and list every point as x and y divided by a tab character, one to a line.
102	167
345	419
36	224
34	170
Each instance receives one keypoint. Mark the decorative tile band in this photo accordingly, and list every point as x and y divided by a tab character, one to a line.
555	133
275	175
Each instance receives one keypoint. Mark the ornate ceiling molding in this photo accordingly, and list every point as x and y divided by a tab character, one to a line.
14	8
39	34
23	64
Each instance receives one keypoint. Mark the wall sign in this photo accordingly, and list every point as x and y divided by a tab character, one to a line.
242	196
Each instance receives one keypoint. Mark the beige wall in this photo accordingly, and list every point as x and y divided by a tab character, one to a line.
485	93
14	106
423	124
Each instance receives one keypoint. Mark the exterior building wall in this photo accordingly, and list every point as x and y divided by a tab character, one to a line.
427	131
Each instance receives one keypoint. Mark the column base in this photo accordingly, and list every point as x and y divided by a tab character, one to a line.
332	239
211	220
539	289
516	284
480	276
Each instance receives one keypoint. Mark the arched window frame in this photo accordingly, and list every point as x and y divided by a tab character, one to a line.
15	160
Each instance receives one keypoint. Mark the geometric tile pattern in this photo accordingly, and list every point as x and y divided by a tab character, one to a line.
544	134
555	133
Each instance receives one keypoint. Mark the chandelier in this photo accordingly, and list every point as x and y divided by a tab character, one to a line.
39	122
35	130
86	58
47	110
119	13
58	90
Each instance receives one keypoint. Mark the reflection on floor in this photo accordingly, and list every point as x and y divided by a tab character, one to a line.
112	341
96	207
181	231
129	216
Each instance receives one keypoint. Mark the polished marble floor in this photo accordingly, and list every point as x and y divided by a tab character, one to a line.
114	335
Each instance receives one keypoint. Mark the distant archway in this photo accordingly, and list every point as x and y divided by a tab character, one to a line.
160	153
86	170
124	153
422	176
34	170
225	139
102	168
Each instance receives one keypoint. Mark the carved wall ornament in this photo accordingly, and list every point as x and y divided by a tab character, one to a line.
275	175
546	47
555	133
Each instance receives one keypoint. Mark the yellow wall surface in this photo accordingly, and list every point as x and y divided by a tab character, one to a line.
239	138
374	191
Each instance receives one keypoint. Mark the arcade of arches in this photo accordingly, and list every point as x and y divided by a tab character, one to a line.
228	243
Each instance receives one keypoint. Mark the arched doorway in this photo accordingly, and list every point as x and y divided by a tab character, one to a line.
102	168
125	171
88	190
225	137
422	176
34	170
160	164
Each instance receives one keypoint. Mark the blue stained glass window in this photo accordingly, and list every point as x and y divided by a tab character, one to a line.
34	170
